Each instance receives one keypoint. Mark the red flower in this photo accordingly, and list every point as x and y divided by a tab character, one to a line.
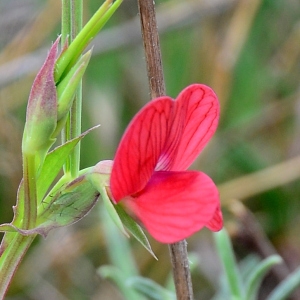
149	172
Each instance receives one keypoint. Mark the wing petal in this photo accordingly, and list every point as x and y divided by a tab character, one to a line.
195	121
140	148
216	223
174	205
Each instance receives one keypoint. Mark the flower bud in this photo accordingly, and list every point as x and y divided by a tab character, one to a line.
41	115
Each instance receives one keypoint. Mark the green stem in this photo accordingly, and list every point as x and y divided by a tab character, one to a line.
12	250
30	193
65	21
65	33
73	23
89	31
75	114
14	245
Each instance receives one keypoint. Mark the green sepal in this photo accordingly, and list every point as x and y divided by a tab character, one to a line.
100	180
99	177
69	57
134	229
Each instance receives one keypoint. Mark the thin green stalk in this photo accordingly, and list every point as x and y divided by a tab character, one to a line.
89	31
71	26
30	193
75	114
65	21
14	246
76	17
65	34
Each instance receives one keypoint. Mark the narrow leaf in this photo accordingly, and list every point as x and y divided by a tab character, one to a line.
257	275
150	289
286	287
226	255
85	36
118	277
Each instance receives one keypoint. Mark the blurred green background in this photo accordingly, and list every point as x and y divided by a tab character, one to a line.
248	51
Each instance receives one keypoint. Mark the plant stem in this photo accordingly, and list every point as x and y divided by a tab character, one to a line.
75	113
14	246
65	21
152	48
30	193
178	251
71	26
65	37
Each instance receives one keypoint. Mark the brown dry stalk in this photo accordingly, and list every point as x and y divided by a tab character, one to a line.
178	251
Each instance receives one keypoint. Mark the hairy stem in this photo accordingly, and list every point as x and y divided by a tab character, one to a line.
178	251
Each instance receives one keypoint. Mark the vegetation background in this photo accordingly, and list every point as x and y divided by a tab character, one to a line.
248	51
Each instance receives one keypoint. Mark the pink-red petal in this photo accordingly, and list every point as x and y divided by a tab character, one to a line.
140	148
195	121
165	135
174	205
216	223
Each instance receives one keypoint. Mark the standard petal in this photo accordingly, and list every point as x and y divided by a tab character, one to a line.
216	223
174	205
195	121
140	148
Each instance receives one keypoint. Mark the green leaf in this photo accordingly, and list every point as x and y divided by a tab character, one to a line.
69	205
257	275
286	287
150	289
226	255
54	162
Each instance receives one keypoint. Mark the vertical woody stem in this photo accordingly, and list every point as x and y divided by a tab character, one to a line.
152	48
178	251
